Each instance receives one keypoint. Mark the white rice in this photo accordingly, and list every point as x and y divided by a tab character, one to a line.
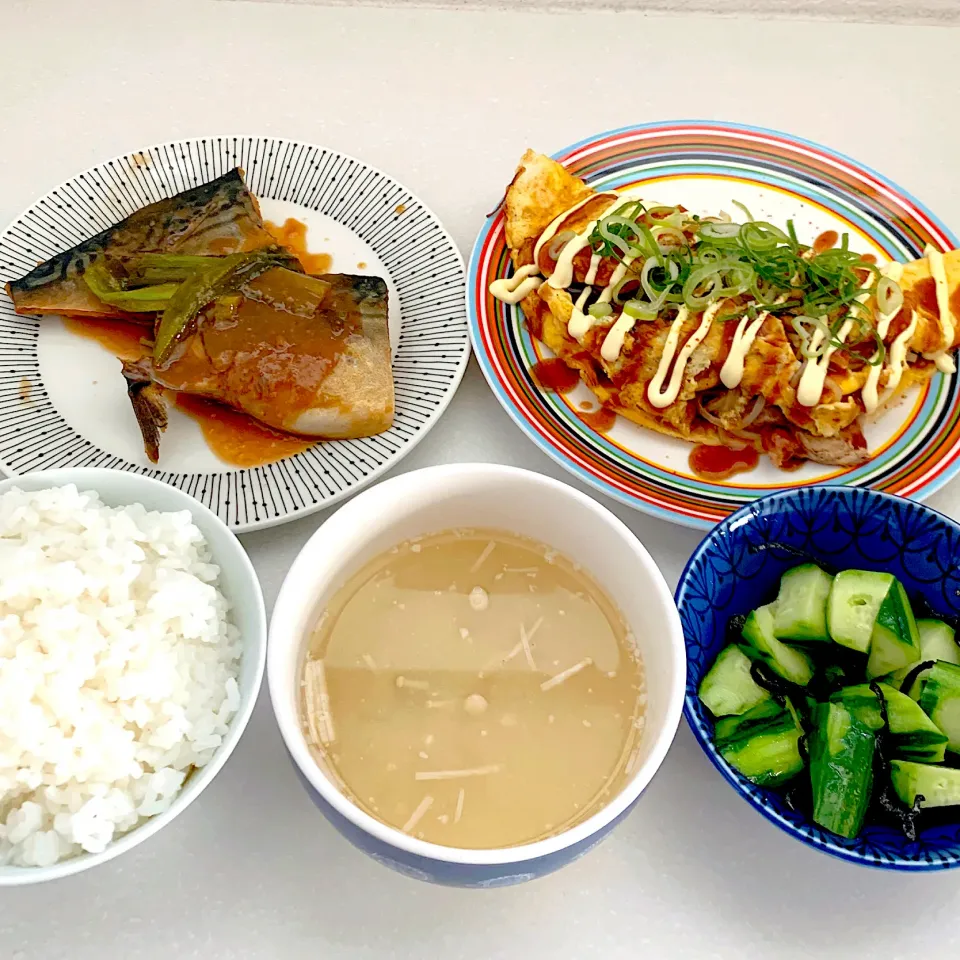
118	669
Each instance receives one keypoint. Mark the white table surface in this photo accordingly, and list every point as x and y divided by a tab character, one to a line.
446	102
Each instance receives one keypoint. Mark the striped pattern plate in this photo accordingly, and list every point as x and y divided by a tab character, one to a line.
63	401
706	166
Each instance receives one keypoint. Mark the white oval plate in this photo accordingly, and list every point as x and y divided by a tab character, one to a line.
63	400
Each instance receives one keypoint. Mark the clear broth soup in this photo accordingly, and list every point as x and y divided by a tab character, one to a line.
474	689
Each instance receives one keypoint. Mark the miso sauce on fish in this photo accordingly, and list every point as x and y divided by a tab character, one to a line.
475	690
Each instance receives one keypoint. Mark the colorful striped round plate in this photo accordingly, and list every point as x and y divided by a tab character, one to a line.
707	166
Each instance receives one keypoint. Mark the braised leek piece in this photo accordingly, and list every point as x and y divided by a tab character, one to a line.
223	275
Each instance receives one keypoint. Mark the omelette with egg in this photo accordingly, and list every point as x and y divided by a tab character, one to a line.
723	333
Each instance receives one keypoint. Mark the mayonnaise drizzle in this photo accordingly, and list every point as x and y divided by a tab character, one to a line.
554	224
606	295
591	276
898	353
657	396
945	363
870	392
562	275
815	369
613	341
943	360
580	322
731	373
514	289
525	280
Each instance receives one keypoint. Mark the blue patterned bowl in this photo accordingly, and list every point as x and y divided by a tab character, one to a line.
737	567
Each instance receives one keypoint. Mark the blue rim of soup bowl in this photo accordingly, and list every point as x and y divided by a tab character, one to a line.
402	489
255	649
931	853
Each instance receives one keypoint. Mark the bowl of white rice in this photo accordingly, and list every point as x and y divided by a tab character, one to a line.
132	647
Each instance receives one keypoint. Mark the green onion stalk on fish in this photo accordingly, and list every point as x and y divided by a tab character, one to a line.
189	283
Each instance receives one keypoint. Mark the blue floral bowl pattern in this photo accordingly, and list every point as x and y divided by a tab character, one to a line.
737	567
452	873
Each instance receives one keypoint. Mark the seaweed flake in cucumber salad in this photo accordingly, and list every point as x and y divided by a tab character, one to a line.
837	695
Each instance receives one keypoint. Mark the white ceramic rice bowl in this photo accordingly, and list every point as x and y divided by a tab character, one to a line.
239	584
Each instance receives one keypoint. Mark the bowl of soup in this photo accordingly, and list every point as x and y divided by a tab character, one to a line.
476	671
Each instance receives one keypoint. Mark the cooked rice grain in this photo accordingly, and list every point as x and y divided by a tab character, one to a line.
118	669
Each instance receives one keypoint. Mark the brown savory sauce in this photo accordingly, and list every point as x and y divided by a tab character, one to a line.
122	339
925	294
826	241
236	438
600	420
868	258
554	374
272	336
292	234
720	463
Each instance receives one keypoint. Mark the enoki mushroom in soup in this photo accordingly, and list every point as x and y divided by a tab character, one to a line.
474	689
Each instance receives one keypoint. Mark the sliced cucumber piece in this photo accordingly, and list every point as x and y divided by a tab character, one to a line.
938	786
727	728
841	768
913	735
763	746
792	665
728	687
940	701
938	641
855	598
895	641
801	607
899	677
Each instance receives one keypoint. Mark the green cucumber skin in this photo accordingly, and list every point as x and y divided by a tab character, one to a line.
761	739
940	701
939	786
895	641
937	642
912	734
735	728
801	604
762	744
855	599
841	769
897	677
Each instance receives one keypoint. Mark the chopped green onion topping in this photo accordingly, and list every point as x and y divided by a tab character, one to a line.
680	258
640	310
